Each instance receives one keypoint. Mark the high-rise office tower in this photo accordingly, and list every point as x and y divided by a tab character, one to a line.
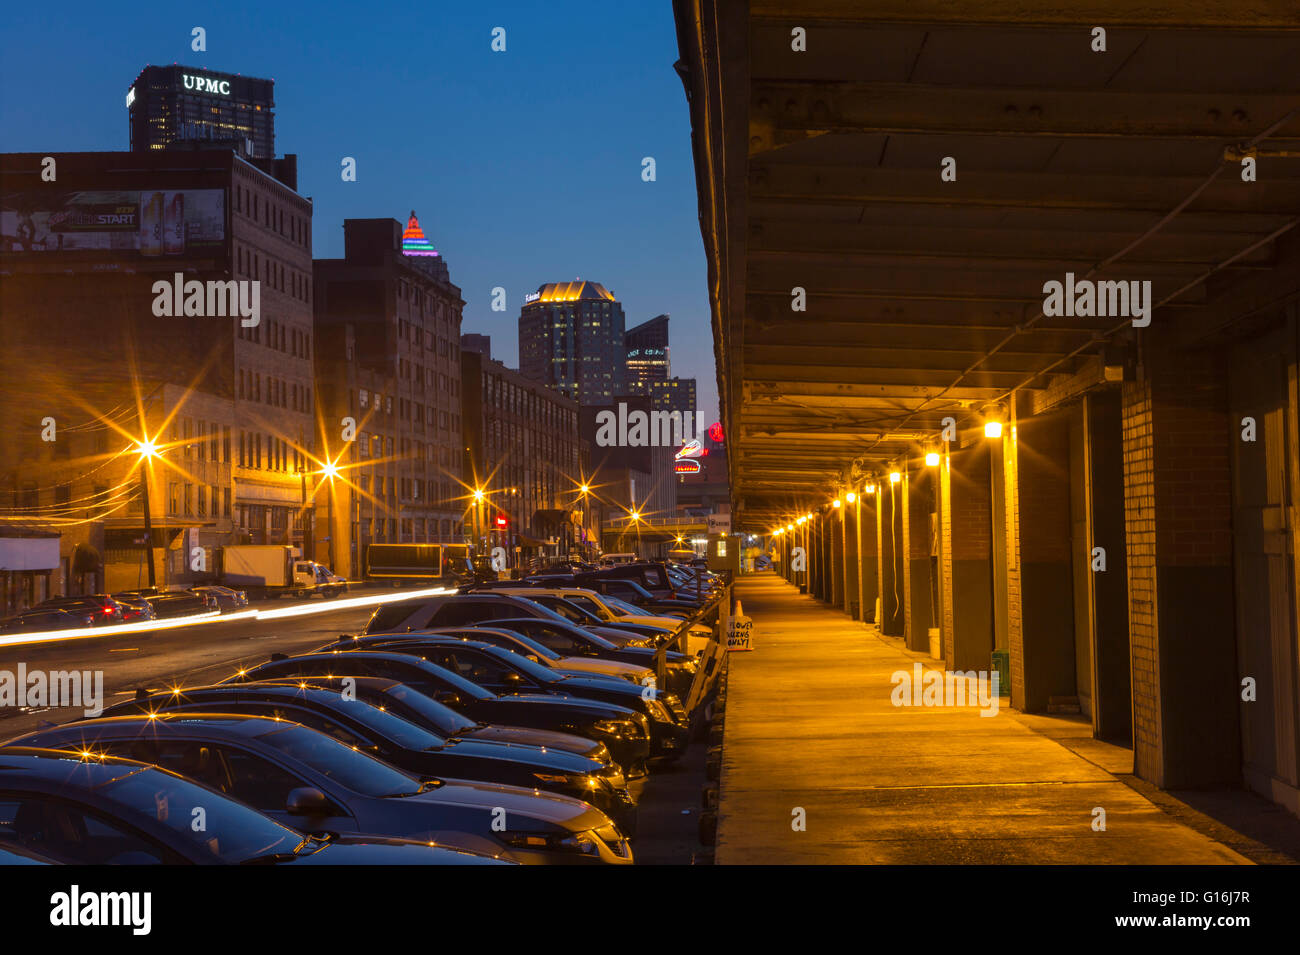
571	339
647	354
181	104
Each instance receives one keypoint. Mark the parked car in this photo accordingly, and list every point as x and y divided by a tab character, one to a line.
569	641
612	619
625	732
296	774
227	599
502	671
49	620
578	665
105	609
135	608
98	809
425	711
391	737
169	604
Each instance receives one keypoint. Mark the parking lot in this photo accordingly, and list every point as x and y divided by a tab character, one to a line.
476	739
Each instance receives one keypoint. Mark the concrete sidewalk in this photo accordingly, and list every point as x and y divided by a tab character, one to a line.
810	724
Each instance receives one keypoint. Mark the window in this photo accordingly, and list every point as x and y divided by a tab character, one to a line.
72	834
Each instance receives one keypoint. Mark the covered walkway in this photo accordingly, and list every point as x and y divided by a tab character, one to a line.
810	724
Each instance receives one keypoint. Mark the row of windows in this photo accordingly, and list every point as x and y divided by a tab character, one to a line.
296	229
413	530
267	452
197	500
203	440
278	392
407	410
274	274
427	377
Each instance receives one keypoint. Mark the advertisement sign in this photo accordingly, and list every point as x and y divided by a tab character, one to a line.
719	524
188	222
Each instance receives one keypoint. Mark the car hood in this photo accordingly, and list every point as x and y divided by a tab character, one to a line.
593	708
377	850
577	685
572	814
547	739
556	760
622	671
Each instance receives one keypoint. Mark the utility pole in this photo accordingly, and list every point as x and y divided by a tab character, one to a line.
148	524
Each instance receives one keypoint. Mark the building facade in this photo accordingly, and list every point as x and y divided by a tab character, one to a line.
101	325
571	338
184	104
522	449
388	372
648	355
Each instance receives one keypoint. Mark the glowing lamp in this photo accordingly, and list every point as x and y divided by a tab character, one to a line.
992	429
932	459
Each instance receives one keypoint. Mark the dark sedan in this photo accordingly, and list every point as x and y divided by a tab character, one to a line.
624	731
100	810
47	621
574	641
503	671
295	774
407	745
103	608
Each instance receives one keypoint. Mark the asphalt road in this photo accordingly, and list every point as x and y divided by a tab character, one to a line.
190	656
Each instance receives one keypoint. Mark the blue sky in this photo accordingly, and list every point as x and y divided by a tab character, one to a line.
524	166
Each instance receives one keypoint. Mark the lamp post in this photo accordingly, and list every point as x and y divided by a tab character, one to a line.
147	451
329	469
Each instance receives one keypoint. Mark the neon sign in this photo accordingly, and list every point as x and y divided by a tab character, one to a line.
715	431
686	466
413	240
202	84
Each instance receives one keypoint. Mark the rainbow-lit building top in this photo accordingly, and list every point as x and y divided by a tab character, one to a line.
413	240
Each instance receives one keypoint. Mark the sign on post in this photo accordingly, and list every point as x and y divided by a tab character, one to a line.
719	524
740	633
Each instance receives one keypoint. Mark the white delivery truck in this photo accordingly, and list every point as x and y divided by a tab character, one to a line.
272	570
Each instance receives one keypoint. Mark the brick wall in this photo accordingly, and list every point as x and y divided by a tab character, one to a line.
1140	537
1011	490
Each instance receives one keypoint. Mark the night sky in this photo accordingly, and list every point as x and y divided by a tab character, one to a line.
524	166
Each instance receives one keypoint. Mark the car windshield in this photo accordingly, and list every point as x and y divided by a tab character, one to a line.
569	612
392	727
443	718
522	643
346	766
232	832
583	602
540	673
622	607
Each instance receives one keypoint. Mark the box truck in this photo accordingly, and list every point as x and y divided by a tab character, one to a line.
272	570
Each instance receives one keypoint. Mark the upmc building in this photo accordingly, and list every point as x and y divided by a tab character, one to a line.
169	104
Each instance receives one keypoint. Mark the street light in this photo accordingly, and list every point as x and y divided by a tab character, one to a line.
147	451
330	470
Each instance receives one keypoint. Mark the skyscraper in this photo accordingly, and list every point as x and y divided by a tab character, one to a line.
647	354
183	104
571	338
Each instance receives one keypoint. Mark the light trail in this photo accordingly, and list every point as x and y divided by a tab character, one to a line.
213	616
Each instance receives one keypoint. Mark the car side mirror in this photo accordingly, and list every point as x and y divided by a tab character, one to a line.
448	698
307	801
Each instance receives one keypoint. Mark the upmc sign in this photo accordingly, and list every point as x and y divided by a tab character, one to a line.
203	84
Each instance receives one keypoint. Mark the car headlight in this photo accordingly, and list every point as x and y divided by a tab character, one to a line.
658	711
614	776
615	727
583	843
574	780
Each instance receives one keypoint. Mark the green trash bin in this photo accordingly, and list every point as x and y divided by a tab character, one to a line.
1002	666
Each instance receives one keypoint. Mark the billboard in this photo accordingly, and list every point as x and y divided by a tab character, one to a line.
115	224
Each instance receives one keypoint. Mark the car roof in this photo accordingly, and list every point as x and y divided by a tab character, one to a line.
54	766
229	724
277	689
